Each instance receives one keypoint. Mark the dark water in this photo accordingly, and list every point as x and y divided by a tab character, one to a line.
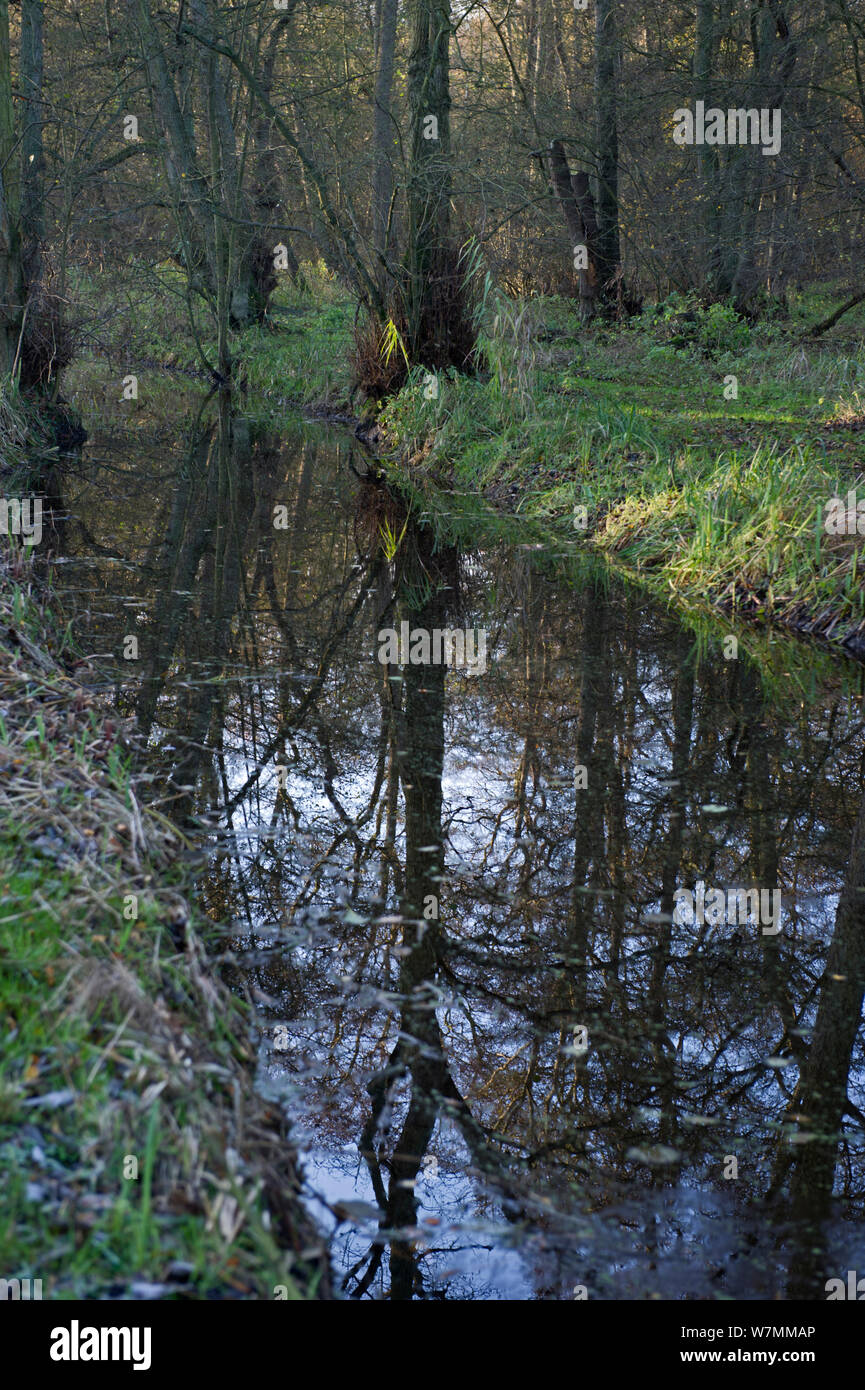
512	1070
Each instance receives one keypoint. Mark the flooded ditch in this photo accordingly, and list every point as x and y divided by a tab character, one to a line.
517	1064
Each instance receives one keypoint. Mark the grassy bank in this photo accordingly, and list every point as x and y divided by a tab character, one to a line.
689	446
696	450
298	359
136	1159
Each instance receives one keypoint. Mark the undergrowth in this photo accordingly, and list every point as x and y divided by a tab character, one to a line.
136	1158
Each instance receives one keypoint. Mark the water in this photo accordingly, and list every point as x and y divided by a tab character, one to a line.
513	1069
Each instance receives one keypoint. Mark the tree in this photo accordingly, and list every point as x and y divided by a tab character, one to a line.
32	153
439	333
607	140
203	161
11	271
578	206
704	48
383	134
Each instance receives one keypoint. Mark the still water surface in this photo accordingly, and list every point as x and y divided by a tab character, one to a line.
513	1072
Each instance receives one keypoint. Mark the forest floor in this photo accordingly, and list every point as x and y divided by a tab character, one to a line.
137	1160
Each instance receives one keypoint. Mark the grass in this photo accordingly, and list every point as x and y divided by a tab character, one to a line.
133	1149
302	361
693	449
25	438
790	670
638	438
299	358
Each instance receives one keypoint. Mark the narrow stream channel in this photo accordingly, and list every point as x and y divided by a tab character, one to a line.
516	1064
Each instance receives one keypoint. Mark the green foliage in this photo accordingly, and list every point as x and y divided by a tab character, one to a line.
390	541
21	432
721	329
299	357
510	352
391	339
478	281
715	499
685	321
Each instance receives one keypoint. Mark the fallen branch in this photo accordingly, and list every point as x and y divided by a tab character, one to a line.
833	318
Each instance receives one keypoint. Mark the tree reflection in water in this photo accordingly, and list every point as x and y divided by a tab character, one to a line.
433	1064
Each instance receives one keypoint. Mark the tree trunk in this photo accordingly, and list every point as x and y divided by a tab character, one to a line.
268	190
383	138
32	154
11	286
776	58
575	197
438	332
821	1096
225	257
704	47
607	140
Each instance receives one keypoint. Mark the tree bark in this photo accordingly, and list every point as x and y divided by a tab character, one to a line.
607	140
32	153
382	192
268	192
575	196
429	185
11	280
438	330
704	48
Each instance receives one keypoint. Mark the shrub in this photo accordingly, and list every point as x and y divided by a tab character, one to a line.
720	329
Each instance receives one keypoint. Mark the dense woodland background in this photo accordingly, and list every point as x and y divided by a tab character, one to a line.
281	124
